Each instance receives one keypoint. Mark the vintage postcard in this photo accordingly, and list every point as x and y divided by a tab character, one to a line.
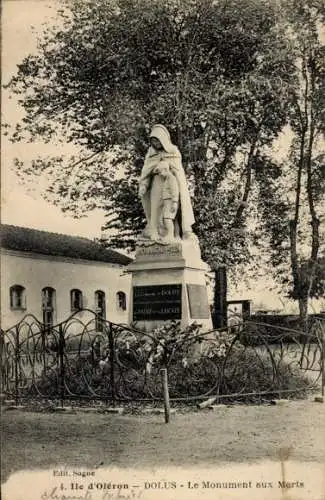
162	250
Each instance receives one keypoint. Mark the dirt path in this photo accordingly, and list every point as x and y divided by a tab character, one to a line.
235	434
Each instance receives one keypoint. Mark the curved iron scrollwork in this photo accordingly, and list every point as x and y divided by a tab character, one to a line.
74	360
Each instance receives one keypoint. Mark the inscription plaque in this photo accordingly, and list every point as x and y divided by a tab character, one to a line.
154	302
198	300
153	253
159	250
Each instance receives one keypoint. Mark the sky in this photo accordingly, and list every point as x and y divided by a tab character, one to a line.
23	205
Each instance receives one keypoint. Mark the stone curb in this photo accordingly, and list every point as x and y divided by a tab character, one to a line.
14	407
71	409
74	410
80	409
156	411
279	402
90	409
113	410
10	406
62	409
118	411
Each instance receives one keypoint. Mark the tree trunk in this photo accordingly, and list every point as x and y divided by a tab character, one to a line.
303	313
220	298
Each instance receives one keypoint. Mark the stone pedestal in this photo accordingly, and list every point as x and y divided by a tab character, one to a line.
168	283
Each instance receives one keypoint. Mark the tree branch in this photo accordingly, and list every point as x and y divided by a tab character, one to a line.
242	205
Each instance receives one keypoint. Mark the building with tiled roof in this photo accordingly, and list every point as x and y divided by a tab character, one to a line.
53	275
58	245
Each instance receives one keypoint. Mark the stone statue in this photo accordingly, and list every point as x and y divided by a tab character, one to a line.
164	192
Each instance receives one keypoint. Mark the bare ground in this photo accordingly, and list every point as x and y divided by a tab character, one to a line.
229	434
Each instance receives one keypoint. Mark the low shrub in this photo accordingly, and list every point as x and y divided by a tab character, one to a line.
198	364
275	328
251	371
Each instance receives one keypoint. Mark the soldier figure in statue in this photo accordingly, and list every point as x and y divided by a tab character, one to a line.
164	192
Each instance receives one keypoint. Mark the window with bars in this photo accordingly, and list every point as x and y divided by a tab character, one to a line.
17	297
100	307
121	301
48	306
76	300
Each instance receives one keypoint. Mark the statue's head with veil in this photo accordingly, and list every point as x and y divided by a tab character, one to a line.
164	191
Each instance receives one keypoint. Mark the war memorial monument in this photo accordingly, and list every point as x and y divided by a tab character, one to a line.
168	274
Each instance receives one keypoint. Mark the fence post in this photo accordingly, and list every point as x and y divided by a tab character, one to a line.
17	362
61	365
43	333
164	379
112	361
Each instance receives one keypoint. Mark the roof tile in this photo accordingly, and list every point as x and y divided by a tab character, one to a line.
61	245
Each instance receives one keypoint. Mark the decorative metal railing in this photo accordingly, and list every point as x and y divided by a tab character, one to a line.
96	359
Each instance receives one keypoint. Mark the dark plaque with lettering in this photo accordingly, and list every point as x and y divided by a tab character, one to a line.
155	302
198	299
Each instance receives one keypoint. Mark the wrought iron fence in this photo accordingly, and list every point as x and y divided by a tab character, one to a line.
99	360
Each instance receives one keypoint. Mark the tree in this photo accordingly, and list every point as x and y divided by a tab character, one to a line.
293	221
217	74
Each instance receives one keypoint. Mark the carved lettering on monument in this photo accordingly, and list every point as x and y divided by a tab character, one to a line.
159	250
156	302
